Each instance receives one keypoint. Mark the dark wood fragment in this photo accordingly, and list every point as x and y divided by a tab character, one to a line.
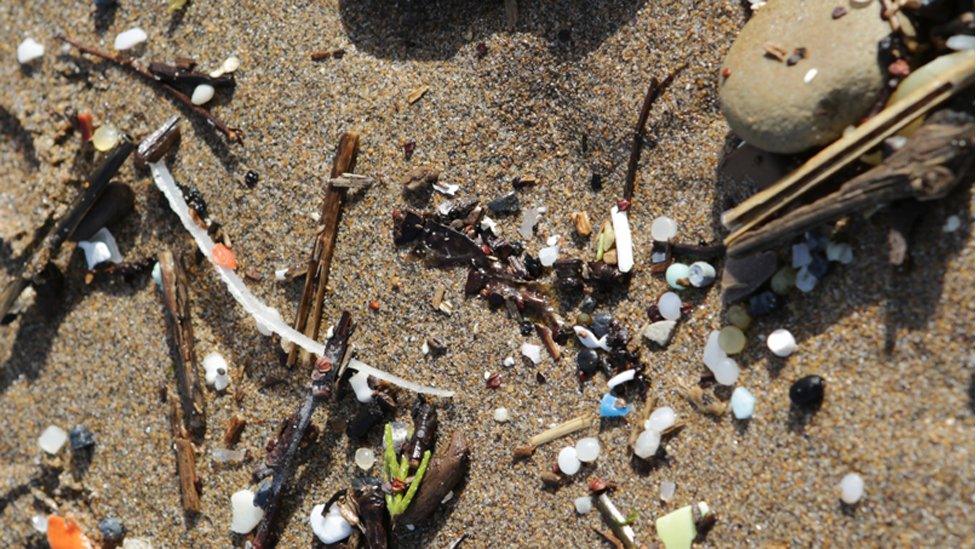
653	92
446	469
309	317
177	301
185	461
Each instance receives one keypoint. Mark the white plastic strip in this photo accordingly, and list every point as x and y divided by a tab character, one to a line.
625	246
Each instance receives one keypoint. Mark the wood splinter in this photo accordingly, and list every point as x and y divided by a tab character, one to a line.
309	317
185	461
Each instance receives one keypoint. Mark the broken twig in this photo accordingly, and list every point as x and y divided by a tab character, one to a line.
186	469
653	92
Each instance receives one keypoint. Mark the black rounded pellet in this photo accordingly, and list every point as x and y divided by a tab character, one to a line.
526	328
251	178
587	361
807	392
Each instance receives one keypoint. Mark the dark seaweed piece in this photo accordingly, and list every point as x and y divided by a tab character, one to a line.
424	430
186	78
569	275
605	276
374	517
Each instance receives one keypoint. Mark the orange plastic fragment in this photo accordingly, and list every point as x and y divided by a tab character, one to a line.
223	256
65	533
85	125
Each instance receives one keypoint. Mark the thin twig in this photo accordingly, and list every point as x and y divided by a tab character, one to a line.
323	380
653	92
565	428
92	189
177	302
615	519
185	460
309	317
232	134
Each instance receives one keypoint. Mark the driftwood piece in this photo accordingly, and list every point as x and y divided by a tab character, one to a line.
177	302
185	460
926	168
309	318
92	189
447	468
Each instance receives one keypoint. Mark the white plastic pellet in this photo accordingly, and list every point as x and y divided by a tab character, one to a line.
244	514
588	449
583	505
851	488
647	444
501	415
805	280
508	362
39	522
52	439
960	42
661	419
130	38
701	274
667	490
952	224
781	343
809	76
669	305
713	353
360	385
568	461
202	94
663	229
726	372
329	527
743	403
365	458
216	371
29	50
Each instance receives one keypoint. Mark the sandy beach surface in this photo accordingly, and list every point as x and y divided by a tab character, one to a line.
555	97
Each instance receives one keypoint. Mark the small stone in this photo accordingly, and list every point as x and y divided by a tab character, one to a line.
669	305
501	415
587	361
112	530
810	75
764	303
52	439
569	463
129	39
157	275
732	340
81	438
838	12
581	223
661	419
251	177
225	455
743	403
851	488
738	317
583	505
202	94
701	274
29	50
400	434
105	138
365	458
245	514
801	255
726	372
532	352
506	204
137	543
667	490
647	444
807	392
781	343
663	229
329	527
677	272
588	449
952	224
783	281
216	371
659	332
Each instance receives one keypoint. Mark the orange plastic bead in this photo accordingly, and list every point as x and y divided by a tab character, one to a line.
223	256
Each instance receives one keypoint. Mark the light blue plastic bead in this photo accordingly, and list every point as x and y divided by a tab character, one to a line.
676	272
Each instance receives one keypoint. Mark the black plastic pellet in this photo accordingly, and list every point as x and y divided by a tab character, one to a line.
807	392
251	178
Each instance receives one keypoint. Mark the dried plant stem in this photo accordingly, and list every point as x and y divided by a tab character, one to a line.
177	302
309	317
232	134
561	430
615	519
185	461
654	91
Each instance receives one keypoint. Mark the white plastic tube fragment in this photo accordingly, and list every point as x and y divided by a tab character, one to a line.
263	315
624	243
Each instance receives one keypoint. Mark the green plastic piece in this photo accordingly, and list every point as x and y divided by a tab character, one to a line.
677	529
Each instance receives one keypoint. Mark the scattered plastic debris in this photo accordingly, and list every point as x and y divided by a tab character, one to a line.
663	229
39	523
530	218
81	438
679	528
961	42
52	439
583	505
743	403
245	515
129	39
501	415
725	370
532	352
106	137
669	305
216	371
622	377
701	274
589	339
548	255
801	255
952	224
229	65
840	252
622	238
809	76
667	490
588	449
659	332
29	50
805	280
100	249
647	444
226	455
365	458
360	385
611	406
851	488
661	419
781	343
731	340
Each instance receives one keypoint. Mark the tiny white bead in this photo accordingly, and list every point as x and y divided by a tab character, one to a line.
851	488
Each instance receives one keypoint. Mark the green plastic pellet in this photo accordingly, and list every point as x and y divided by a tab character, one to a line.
783	281
739	317
731	340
